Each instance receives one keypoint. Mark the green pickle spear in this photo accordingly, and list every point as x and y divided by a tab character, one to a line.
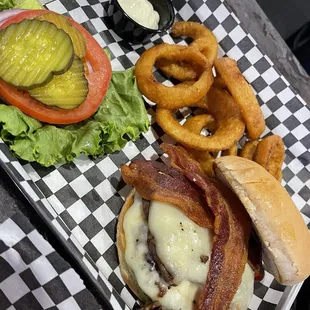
32	52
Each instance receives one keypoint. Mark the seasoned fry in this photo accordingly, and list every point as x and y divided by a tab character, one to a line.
243	94
172	97
232	151
249	149
230	126
204	41
270	154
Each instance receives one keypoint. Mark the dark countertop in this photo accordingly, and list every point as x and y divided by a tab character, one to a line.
271	43
257	23
12	201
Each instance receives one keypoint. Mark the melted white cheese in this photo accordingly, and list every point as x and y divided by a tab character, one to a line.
141	11
244	293
136	229
180	242
174	247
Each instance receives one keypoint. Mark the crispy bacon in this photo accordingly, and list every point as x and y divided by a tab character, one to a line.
156	181
232	229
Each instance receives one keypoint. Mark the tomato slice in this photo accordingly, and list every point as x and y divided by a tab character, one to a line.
98	82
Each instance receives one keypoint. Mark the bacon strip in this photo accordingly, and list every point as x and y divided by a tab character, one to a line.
156	181
232	229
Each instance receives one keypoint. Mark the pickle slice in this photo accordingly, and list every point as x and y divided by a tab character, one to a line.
32	51
66	91
78	40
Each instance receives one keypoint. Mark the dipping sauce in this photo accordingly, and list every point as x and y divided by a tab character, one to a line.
142	12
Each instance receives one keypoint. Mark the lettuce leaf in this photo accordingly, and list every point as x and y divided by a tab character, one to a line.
120	117
20	4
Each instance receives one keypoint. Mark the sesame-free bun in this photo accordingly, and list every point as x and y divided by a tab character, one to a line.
127	275
284	235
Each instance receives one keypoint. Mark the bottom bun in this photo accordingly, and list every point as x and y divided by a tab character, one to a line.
128	276
284	235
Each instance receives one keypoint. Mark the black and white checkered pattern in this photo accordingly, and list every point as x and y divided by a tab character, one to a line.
33	276
82	199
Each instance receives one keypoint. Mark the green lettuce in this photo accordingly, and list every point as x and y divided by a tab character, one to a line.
20	4
121	116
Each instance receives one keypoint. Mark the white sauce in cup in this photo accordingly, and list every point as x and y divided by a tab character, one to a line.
142	12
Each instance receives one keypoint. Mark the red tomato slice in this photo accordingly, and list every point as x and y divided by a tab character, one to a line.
98	82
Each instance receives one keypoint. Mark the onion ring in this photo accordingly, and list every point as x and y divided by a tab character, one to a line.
243	94
249	149
205	160
232	151
219	82
181	70
270	154
230	126
172	97
202	104
196	124
204	41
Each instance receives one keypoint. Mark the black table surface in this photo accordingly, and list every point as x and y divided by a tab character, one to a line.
12	201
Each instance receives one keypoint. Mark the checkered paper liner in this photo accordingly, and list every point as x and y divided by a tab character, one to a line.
34	276
81	200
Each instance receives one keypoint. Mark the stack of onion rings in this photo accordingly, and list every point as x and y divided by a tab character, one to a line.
229	124
227	102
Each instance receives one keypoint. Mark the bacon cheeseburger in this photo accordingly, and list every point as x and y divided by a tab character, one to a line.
186	242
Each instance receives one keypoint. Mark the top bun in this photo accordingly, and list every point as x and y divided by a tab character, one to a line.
284	235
